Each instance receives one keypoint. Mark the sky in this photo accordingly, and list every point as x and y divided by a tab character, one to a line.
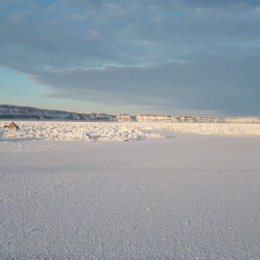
132	56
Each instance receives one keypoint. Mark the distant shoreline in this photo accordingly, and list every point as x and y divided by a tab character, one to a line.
12	112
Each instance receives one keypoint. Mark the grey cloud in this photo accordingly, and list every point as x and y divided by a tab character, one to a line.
168	54
222	3
215	85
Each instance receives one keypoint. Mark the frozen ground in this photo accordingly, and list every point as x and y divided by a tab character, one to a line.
182	197
76	131
80	131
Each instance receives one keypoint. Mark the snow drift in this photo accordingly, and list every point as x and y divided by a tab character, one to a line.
113	131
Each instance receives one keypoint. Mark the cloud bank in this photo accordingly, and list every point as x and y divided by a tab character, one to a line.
167	55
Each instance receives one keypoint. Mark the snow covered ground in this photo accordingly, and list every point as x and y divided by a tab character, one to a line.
76	131
184	197
113	131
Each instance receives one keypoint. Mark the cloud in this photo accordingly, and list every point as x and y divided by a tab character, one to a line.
214	85
222	3
196	55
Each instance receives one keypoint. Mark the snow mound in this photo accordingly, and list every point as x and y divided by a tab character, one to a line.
76	131
113	131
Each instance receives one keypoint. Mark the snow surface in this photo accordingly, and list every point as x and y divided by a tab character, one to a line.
114	131
76	131
181	197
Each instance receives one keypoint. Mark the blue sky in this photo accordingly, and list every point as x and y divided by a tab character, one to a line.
185	57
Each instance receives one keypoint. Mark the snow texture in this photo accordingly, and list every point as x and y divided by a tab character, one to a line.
76	131
114	131
184	197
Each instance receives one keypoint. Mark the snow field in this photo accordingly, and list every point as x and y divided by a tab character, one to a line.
78	131
223	129
181	198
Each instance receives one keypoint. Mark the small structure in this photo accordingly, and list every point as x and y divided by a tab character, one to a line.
12	126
